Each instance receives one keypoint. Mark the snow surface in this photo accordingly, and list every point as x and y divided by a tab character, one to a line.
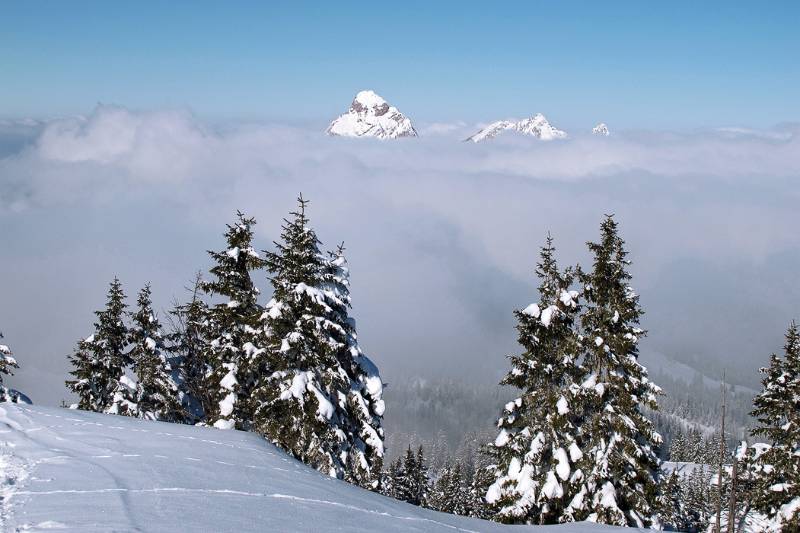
78	471
536	126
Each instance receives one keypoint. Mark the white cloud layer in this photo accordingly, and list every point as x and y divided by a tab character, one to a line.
442	234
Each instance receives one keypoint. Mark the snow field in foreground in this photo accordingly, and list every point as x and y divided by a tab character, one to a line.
77	471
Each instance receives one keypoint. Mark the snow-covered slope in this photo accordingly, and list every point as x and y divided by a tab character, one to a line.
371	116
536	126
79	471
601	129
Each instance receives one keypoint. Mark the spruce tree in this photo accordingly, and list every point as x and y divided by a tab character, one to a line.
365	406
302	401
7	363
678	447
777	410
189	350
451	491
388	486
482	479
439	496
230	328
410	481
537	447
621	464
421	479
156	392
100	360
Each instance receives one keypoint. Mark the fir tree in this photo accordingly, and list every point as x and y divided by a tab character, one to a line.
538	446
410	480
673	504
388	486
156	392
230	328
482	479
451	492
7	363
677	447
698	498
777	410
100	360
421	479
621	464
189	349
302	401
365	406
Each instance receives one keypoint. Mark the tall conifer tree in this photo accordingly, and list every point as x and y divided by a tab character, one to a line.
230	328
156	392
538	445
777	409
189	350
621	464
302	403
365	406
100	360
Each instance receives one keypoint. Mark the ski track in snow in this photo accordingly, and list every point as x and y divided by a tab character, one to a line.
93	464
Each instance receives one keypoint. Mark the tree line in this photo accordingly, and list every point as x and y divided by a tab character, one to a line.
291	370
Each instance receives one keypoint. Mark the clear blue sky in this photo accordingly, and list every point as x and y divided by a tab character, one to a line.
636	64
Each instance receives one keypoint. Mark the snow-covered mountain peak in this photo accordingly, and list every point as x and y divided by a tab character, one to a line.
536	126
366	101
371	116
601	129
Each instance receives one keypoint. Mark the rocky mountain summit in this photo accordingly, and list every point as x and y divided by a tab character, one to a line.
601	129
371	116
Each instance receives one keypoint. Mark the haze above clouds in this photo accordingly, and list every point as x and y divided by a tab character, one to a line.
442	235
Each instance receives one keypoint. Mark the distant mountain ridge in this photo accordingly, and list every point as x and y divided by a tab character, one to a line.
536	126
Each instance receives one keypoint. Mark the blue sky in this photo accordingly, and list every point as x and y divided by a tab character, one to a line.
632	64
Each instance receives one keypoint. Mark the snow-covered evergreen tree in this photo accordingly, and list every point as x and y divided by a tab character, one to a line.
100	360
387	482
156	392
699	496
321	401
188	348
301	404
621	464
7	363
482	479
410	478
537	448
451	492
230	328
673	504
677	447
365	406
777	409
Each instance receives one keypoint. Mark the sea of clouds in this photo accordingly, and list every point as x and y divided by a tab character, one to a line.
442	235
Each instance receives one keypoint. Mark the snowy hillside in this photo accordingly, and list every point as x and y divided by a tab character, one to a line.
371	116
536	126
80	471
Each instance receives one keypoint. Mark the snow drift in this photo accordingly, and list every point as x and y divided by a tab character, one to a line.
80	471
